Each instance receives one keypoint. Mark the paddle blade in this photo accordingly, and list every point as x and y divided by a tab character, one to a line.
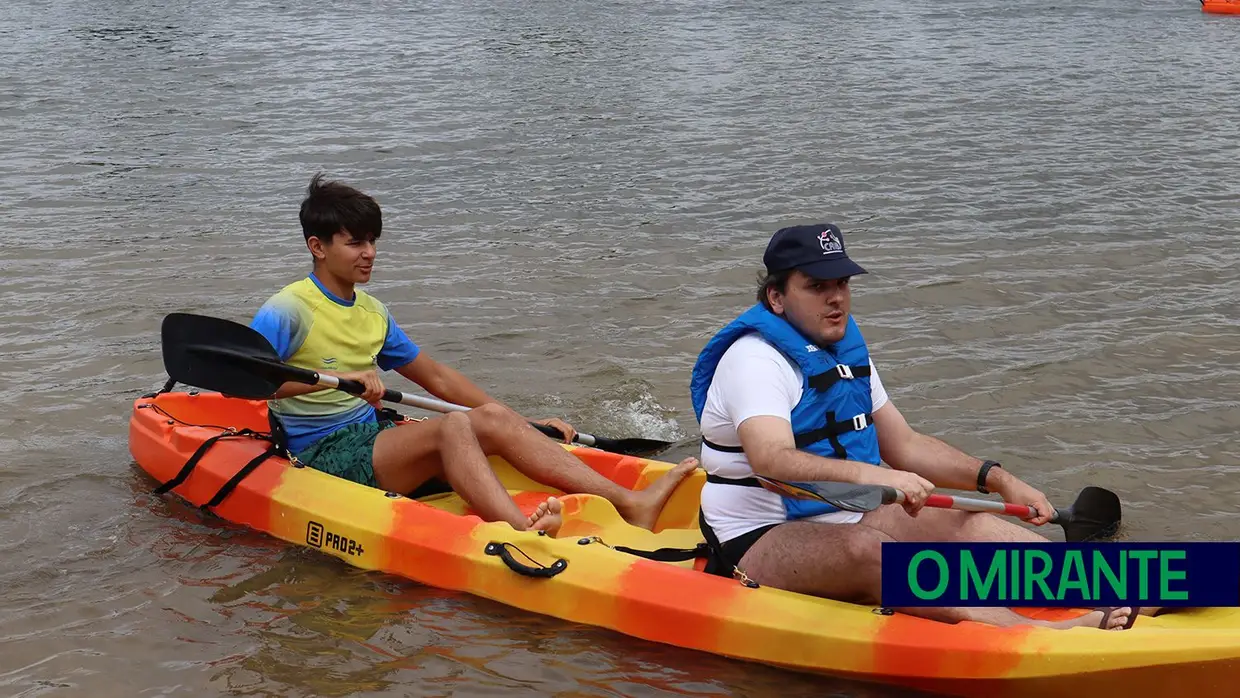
848	497
642	448
631	447
215	354
1095	515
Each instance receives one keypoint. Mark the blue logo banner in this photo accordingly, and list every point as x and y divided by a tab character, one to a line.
1061	574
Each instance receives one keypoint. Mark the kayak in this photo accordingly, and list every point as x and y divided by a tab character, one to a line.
1221	7
210	450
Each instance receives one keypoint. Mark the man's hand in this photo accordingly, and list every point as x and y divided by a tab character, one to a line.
564	427
915	487
368	379
1015	491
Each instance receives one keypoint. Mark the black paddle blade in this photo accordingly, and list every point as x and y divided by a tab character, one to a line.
220	355
1094	515
625	447
631	447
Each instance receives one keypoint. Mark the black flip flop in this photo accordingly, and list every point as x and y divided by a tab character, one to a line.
1108	610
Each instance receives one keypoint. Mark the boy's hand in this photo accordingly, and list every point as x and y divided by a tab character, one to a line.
368	379
564	427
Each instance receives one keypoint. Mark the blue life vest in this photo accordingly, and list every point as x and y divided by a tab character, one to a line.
833	417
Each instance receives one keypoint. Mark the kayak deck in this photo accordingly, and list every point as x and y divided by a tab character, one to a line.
1221	7
438	541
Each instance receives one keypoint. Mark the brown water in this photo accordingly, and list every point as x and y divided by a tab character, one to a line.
577	195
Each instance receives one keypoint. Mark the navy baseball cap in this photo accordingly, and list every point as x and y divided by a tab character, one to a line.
816	250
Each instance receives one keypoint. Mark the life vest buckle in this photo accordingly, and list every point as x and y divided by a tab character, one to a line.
859	422
845	371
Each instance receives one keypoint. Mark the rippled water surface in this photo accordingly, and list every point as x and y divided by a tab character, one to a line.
576	195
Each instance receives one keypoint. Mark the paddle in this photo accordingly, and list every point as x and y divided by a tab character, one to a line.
1094	515
233	359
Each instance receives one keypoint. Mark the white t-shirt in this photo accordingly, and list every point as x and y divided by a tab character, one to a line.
753	379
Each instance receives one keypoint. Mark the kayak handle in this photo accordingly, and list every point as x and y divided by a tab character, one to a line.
541	572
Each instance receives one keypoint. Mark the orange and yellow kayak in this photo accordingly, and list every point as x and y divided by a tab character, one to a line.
1221	7
579	576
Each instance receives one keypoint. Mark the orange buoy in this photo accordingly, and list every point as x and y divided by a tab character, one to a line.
1221	7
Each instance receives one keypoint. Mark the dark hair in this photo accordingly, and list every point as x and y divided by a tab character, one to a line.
332	207
777	281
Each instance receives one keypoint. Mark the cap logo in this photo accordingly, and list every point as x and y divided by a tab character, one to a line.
830	242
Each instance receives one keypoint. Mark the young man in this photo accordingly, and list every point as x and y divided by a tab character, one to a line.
324	323
788	391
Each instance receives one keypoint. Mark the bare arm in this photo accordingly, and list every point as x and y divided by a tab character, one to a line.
444	382
369	380
771	450
293	388
946	466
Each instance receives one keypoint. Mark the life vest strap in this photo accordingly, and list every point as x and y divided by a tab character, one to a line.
832	431
822	382
742	481
725	449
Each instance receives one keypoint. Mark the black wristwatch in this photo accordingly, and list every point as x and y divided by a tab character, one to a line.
983	472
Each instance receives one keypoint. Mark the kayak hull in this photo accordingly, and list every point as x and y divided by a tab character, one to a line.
438	541
1221	7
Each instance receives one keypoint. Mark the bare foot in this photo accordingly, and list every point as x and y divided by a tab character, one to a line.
644	506
546	517
1118	618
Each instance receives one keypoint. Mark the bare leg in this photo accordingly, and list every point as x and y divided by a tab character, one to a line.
409	455
504	433
843	562
947	525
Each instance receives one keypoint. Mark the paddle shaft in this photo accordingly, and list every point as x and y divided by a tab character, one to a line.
349	385
947	501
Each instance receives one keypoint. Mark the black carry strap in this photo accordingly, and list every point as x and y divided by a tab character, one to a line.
667	554
660	555
278	439
236	479
198	454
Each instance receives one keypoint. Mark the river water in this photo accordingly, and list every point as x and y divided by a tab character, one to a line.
577	194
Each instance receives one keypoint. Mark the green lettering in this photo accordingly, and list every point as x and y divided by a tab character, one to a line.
1144	575
915	586
970	574
1073	563
1103	568
1038	577
1166	575
1015	576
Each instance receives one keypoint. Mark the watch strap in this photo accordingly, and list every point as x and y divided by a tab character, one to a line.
983	472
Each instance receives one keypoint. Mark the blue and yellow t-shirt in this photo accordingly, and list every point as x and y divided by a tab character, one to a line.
312	328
